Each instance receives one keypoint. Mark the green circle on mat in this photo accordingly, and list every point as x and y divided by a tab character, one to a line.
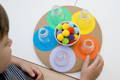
54	20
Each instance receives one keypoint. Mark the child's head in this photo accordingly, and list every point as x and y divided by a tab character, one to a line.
5	51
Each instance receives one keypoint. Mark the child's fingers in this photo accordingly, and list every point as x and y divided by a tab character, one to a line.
100	66
96	62
30	72
36	70
101	63
86	62
40	77
38	73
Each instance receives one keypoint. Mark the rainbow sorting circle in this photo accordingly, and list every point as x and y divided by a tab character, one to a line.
57	15
72	34
67	33
44	38
62	59
85	21
87	45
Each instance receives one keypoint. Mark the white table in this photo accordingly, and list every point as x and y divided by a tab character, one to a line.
24	15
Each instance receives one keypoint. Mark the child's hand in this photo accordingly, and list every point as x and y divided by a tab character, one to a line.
91	72
32	70
29	68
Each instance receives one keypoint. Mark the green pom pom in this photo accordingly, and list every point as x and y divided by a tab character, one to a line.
65	41
59	27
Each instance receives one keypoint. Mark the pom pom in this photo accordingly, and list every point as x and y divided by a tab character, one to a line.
59	32
76	30
59	27
71	37
66	33
71	41
71	30
71	24
65	41
60	37
65	26
76	36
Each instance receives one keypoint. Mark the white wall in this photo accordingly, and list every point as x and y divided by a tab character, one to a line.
24	15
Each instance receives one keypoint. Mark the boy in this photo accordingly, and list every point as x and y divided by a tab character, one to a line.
12	68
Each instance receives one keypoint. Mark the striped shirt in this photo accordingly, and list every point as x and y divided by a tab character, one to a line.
14	73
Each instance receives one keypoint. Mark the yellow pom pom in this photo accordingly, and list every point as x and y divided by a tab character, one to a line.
66	33
60	37
76	36
65	26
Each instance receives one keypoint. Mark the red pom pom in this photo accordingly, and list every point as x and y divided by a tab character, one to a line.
71	42
71	30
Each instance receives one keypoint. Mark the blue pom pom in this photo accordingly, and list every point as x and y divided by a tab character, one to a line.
76	29
71	24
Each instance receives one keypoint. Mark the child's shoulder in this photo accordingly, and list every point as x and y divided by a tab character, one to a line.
14	73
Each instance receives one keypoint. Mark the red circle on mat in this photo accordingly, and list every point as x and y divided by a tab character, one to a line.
82	52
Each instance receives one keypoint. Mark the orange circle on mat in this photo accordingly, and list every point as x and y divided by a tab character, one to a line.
82	54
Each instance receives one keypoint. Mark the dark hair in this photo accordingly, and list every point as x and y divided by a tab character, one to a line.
4	23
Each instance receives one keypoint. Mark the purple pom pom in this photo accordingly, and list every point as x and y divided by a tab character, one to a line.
59	32
71	37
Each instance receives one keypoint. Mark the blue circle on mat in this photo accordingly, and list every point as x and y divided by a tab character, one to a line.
46	46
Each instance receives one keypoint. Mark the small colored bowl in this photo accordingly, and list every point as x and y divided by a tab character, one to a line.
67	33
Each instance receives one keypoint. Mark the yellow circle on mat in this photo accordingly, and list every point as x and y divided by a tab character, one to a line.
85	27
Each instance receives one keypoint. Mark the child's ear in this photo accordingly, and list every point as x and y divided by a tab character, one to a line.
9	42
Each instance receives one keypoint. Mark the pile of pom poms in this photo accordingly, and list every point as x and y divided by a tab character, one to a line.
67	33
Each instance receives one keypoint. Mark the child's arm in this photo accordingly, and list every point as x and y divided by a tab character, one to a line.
28	67
88	72
92	71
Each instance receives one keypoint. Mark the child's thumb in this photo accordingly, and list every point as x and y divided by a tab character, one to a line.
86	62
